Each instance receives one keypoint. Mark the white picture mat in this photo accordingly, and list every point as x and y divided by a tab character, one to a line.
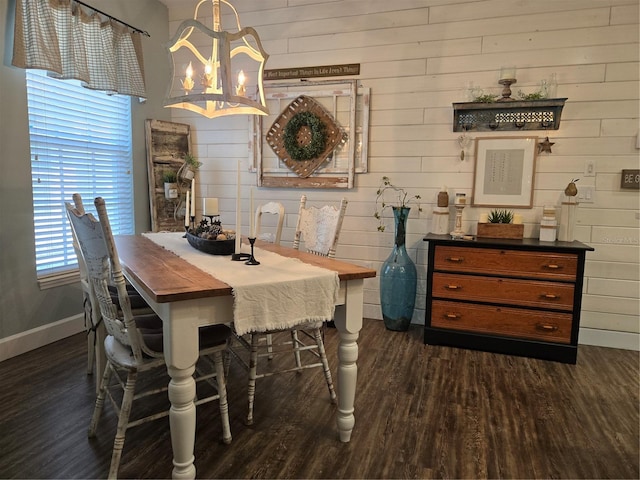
504	171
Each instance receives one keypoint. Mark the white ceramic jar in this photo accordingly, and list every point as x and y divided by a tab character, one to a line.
548	225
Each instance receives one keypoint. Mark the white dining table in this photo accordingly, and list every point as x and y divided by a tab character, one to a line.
187	298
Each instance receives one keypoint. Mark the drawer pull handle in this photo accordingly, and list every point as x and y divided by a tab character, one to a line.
550	296
455	259
451	316
454	287
554	266
545	327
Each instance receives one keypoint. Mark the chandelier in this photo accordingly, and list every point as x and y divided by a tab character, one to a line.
211	68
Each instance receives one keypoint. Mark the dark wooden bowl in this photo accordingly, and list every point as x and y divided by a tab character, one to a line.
213	247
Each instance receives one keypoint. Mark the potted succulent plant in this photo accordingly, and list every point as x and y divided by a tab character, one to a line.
499	225
170	180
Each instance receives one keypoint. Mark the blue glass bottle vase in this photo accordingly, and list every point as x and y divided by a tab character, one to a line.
398	279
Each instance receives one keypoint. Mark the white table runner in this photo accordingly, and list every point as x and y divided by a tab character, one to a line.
279	293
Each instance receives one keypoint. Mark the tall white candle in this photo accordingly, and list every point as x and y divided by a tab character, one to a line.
238	216
252	230
186	211
193	197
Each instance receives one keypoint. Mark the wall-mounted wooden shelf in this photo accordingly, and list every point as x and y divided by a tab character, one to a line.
502	116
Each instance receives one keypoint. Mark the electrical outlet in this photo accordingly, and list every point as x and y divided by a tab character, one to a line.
590	168
586	194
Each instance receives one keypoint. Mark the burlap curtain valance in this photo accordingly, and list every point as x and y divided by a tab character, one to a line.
60	37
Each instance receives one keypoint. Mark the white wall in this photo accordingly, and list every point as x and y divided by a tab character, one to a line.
417	56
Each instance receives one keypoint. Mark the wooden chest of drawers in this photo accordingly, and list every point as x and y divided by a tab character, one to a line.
520	297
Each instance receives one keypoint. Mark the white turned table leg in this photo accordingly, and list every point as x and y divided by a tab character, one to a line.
347	377
182	420
348	321
181	354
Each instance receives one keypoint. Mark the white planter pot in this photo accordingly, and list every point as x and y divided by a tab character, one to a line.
187	173
171	191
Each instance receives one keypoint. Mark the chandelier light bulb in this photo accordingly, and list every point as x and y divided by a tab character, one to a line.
240	89
187	83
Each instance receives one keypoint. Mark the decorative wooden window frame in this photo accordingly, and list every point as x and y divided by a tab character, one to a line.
341	166
167	143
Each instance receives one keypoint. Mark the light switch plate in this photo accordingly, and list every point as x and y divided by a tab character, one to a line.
586	194
590	168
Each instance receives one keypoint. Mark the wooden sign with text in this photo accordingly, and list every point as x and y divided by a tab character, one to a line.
312	72
630	179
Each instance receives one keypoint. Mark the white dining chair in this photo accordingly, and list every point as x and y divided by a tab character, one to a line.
92	318
276	210
319	230
134	344
92	321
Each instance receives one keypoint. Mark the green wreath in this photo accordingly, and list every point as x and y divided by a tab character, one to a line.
318	136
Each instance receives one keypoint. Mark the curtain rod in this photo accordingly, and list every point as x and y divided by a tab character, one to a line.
113	18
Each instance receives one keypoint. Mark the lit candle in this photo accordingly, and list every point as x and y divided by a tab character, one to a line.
193	197
252	231
238	216
187	83
240	90
517	218
186	211
210	206
484	218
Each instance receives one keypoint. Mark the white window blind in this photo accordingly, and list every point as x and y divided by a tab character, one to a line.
80	143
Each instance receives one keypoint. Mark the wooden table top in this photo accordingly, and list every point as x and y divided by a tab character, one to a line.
167	278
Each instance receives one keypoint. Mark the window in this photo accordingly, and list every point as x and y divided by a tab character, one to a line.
80	143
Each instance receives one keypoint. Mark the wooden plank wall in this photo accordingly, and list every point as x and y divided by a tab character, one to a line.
418	56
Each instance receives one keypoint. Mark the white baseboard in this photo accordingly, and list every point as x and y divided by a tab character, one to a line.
609	338
39	337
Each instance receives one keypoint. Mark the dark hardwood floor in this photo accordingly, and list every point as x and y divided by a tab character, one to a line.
421	412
